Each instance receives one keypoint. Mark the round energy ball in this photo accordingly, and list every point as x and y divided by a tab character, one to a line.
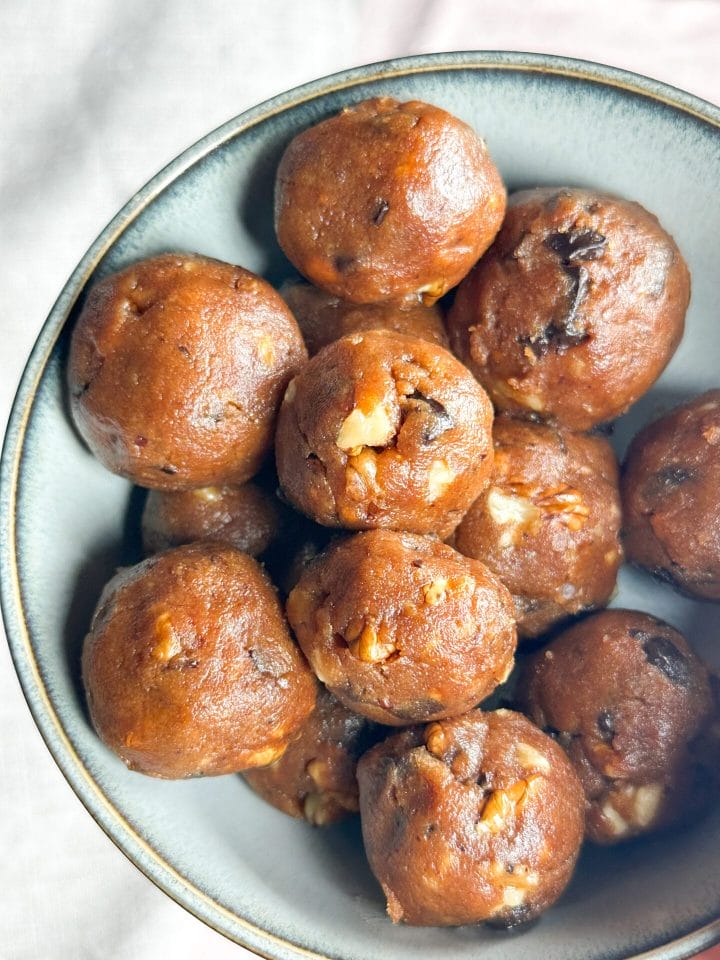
549	523
625	695
387	201
177	367
403	628
315	778
380	430
575	311
189	667
244	516
671	504
323	318
471	819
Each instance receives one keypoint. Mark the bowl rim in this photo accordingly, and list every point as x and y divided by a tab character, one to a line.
17	626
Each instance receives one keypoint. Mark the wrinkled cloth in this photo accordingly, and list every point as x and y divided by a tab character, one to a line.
95	97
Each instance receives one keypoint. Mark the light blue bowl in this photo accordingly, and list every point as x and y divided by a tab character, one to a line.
271	883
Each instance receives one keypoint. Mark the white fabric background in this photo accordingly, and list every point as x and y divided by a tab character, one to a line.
94	98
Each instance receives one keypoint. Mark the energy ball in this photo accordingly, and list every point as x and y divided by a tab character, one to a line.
315	778
324	318
244	516
387	201
472	819
177	368
380	430
402	628
626	696
549	523
575	311
670	494
189	667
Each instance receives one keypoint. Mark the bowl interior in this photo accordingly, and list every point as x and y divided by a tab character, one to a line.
239	864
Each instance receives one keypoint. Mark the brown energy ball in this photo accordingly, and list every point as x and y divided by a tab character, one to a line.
471	819
403	628
380	430
575	311
177	368
548	525
387	201
244	516
315	778
626	697
189	667
671	501
324	318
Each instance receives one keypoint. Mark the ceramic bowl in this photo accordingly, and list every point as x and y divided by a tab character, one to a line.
269	882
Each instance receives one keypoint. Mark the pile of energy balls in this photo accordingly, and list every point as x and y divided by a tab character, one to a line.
434	496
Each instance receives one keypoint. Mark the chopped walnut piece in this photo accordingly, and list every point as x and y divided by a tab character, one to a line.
167	645
358	430
530	758
372	645
500	806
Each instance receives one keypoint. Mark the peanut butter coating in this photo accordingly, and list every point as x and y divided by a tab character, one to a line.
380	430
477	818
549	523
670	484
387	201
189	667
403	628
576	309
628	699
177	367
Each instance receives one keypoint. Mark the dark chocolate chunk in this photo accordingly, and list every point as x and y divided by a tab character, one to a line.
576	245
605	725
667	479
437	417
343	263
380	213
663	654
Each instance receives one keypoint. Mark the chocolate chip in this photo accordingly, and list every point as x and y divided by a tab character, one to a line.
560	335
667	479
663	654
417	710
381	212
438	420
605	725
520	916
169	469
572	247
140	441
343	263
575	245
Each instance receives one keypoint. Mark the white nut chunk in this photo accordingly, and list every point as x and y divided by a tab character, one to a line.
530	758
358	430
512	511
440	476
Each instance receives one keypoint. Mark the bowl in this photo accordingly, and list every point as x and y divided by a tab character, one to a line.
271	883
